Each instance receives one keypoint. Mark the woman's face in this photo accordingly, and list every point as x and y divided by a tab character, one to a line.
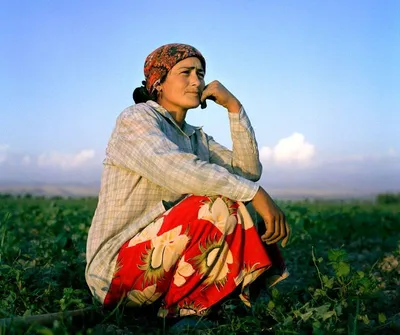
183	86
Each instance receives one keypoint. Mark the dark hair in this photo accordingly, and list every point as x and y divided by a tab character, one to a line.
141	94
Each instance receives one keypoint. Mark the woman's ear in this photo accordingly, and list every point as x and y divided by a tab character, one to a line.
158	87
158	90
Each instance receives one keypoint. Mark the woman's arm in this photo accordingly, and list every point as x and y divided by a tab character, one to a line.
244	159
138	144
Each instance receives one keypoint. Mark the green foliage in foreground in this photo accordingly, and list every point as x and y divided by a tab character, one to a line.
343	258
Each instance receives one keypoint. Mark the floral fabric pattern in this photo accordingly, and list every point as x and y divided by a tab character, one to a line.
193	256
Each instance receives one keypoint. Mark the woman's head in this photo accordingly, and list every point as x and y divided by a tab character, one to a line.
173	73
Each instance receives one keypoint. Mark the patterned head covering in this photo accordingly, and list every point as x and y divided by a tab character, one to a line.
163	59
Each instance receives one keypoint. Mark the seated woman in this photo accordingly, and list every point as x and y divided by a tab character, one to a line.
171	225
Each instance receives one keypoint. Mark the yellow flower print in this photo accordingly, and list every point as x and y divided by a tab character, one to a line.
220	259
192	308
213	261
246	275
145	297
183	270
217	212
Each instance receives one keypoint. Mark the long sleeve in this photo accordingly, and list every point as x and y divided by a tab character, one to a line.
138	144
243	159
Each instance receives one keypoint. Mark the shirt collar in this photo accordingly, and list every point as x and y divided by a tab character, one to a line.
186	129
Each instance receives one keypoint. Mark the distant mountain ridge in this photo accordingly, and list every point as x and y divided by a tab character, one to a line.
92	190
47	190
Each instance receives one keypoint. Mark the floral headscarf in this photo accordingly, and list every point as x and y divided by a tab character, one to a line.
163	59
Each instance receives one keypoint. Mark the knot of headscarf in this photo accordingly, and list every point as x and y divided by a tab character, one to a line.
163	59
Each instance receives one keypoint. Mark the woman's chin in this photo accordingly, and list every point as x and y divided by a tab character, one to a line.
193	103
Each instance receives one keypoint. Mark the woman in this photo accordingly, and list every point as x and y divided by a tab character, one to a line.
170	225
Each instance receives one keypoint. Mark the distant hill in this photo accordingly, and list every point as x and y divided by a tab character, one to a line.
47	190
83	190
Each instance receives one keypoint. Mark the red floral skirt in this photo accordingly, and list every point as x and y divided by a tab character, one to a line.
192	256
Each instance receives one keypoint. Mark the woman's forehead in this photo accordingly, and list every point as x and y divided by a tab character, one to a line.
191	62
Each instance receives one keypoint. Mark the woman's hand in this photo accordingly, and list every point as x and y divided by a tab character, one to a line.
217	92
276	225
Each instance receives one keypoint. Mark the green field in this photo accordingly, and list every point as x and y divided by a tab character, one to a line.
344	260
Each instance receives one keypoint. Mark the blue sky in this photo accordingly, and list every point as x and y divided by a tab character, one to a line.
320	81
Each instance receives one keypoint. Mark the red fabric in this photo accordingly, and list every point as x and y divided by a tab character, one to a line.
172	258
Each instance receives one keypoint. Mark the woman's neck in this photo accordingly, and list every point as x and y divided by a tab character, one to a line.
179	117
178	114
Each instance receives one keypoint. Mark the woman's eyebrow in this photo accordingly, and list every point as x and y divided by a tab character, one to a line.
191	68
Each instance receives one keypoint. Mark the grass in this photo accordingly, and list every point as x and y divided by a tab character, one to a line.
343	259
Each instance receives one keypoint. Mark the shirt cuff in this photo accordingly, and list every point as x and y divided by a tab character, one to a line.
246	190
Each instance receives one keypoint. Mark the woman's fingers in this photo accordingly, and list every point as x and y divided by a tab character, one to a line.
270	227
277	230
218	93
272	231
208	92
286	239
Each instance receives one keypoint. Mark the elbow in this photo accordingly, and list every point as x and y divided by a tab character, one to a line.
253	174
253	177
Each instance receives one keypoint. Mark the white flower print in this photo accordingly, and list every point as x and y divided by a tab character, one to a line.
219	216
244	217
147	233
183	270
145	297
168	247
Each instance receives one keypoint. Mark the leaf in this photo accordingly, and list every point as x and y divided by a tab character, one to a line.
306	316
381	318
275	293
361	274
328	282
288	321
45	331
321	310
338	309
335	255
328	315
342	269
271	304
365	319
318	292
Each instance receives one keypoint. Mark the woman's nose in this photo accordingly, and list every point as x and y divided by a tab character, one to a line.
195	80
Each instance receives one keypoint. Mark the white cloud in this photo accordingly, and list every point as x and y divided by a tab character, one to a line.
355	174
392	152
292	149
65	161
26	160
3	152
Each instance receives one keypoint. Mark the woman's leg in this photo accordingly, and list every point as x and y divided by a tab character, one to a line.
194	255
